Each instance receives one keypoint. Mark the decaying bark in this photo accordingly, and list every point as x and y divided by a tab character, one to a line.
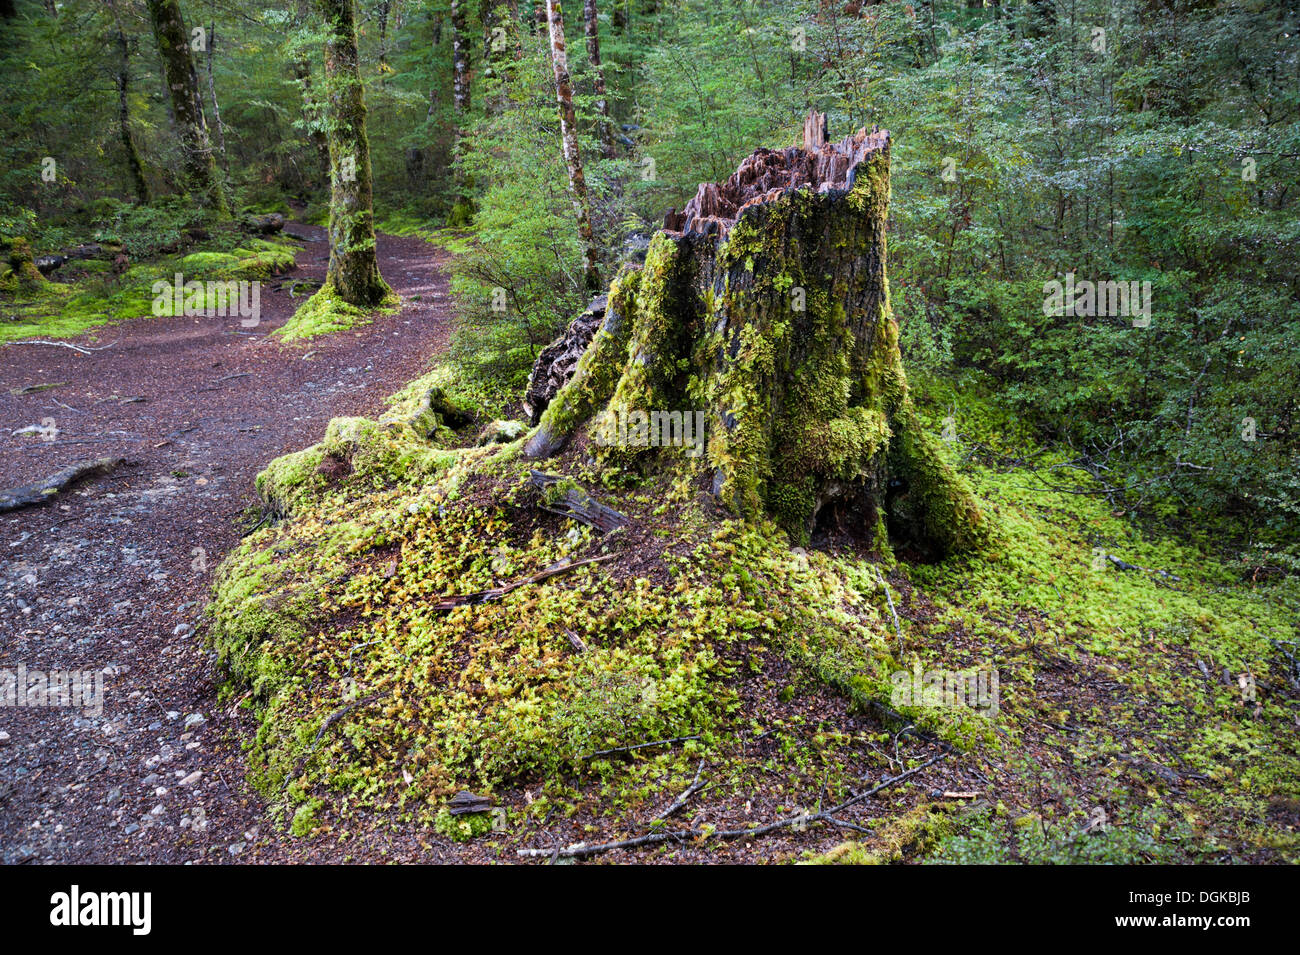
183	86
558	360
763	308
569	141
354	266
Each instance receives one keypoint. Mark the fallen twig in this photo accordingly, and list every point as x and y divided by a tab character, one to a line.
1125	565
654	838
329	721
452	601
80	349
629	749
898	628
680	801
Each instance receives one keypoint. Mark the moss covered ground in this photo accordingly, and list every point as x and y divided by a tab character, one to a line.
96	292
1144	714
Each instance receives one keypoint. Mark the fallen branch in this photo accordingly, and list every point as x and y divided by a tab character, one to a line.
452	601
633	748
577	504
42	492
80	349
654	838
1125	565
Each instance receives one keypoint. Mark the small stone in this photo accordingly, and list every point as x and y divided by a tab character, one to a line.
236	848
194	719
132	829
192	778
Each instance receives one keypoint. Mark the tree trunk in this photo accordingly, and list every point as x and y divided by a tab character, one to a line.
123	82
354	268
569	141
311	107
591	26
763	308
382	12
460	61
187	108
212	95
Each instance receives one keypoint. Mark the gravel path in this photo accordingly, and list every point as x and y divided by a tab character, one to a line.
111	577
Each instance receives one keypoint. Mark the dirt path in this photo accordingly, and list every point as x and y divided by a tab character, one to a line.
112	577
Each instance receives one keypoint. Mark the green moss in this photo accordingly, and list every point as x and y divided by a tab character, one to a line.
304	818
464	827
912	834
325	313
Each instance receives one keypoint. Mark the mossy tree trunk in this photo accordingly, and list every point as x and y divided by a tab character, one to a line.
122	80
764	307
569	143
182	81
354	266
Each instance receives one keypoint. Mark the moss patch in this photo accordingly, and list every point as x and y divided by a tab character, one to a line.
324	313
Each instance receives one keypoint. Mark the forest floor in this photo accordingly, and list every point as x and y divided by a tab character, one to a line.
113	576
1119	694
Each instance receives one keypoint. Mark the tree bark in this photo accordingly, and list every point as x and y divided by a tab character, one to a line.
569	142
591	26
311	107
212	95
459	61
187	107
354	267
764	307
123	82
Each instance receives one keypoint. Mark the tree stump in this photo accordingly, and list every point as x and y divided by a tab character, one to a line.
764	304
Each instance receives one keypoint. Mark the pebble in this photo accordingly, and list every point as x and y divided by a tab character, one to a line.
192	778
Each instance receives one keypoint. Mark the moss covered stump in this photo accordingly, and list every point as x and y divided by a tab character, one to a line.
762	313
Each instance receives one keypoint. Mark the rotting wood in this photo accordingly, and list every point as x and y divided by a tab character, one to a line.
577	504
44	491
